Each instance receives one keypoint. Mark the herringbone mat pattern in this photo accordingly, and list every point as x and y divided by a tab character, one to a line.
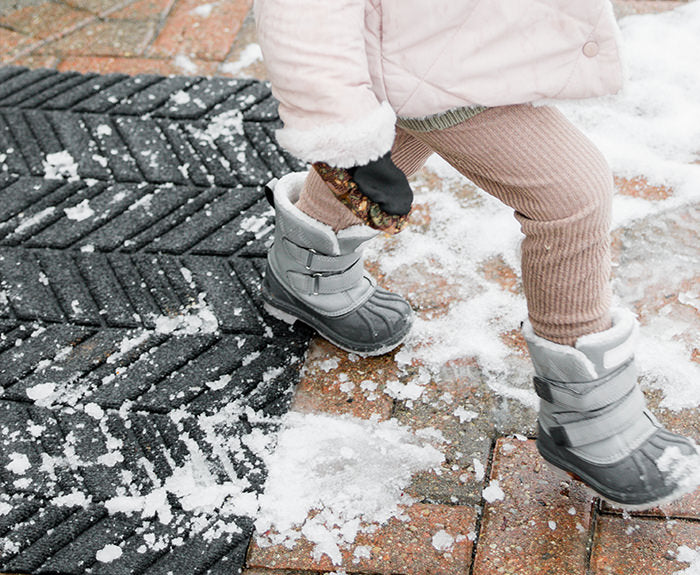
136	365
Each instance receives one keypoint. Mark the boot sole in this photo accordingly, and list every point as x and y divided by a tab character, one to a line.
289	313
559	465
291	319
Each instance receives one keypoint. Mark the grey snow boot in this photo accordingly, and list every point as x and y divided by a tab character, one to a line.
317	276
593	422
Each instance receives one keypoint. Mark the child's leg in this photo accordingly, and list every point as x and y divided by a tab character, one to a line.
592	419
318	201
560	186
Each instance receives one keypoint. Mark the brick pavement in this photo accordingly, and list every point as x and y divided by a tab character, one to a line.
544	523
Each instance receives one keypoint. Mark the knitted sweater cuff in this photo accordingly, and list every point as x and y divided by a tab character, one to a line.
440	121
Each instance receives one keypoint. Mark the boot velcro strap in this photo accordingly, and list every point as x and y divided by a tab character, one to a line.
611	422
313	260
319	284
599	393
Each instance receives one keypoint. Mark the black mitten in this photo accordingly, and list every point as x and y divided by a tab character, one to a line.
383	183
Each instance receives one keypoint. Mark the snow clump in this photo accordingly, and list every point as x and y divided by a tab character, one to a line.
331	478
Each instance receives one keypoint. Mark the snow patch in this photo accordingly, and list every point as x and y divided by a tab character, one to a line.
103	130
331	478
328	364
664	363
181	97
195	319
258	225
80	212
93	410
185	64
60	166
19	463
35	219
41	391
403	391
228	125
127	344
108	553
682	469
443	541
220	383
493	492
465	415
203	10
685	554
251	54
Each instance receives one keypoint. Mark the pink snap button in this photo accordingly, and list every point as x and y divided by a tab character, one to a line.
591	49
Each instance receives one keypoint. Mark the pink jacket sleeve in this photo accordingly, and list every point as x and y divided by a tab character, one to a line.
315	55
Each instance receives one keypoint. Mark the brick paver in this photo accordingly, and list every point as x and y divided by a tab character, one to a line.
10	40
687	507
407	547
96	6
105	38
144	10
131	36
201	30
133	66
334	381
541	523
630	546
44	20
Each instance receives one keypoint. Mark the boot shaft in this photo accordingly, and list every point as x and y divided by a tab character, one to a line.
593	357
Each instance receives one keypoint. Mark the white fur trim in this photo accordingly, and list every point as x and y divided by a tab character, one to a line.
624	322
287	191
357	233
344	145
288	188
557	349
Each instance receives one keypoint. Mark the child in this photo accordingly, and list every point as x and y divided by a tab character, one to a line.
368	90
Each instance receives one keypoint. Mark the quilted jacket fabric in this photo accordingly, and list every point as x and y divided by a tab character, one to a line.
344	69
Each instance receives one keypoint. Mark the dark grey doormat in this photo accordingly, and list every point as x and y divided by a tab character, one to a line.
138	374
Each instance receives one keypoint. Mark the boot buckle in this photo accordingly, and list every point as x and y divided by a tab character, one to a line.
310	258
317	281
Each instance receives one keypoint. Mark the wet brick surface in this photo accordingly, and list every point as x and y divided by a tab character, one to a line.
636	545
539	524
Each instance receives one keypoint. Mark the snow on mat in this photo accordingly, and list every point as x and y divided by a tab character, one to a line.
140	384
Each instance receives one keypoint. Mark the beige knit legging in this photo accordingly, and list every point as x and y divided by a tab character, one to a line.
535	161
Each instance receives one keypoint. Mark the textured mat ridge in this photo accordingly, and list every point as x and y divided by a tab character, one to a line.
138	371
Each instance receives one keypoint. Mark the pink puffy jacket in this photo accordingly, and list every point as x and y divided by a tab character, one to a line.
343	70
